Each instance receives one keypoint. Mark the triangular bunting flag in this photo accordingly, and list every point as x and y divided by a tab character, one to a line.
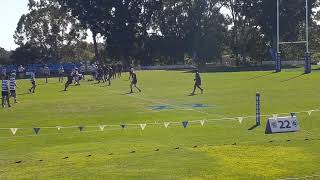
240	119
123	126
166	124
81	128
202	122
143	126
185	124
102	127
36	130
14	130
310	112
59	128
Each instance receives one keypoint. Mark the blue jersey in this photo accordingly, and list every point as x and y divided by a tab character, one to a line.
5	86
12	84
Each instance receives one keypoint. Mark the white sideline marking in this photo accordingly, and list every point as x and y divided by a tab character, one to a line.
304	177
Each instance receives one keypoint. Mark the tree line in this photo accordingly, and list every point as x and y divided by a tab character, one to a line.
152	32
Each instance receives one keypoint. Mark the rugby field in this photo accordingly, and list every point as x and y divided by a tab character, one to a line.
223	148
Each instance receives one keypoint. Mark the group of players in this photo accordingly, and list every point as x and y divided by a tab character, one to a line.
102	74
9	89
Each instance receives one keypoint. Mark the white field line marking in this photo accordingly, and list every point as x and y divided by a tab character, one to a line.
304	177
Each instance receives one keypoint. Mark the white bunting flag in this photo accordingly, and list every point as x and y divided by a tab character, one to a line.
202	122
166	124
14	130
310	112
143	126
102	127
240	119
59	128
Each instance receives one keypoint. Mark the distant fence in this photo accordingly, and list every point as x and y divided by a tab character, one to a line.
38	68
292	63
169	67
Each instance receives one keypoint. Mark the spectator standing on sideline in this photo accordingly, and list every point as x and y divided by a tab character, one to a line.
21	71
46	72
61	73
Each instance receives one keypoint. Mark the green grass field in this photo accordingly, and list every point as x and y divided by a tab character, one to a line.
218	150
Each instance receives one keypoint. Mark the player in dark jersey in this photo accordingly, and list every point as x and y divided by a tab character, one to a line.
114	71
110	71
197	83
100	74
134	82
70	80
33	82
120	69
105	73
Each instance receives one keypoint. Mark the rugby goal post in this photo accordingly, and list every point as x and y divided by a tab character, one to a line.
307	55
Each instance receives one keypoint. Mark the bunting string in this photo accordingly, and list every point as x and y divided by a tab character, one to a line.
166	124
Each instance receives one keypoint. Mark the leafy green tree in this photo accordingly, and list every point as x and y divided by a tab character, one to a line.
254	25
193	27
5	56
49	28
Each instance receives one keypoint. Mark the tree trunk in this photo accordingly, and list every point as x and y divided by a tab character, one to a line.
95	45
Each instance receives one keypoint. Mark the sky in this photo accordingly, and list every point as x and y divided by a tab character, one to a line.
10	13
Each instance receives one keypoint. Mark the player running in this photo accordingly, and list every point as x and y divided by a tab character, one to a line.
5	92
70	80
120	69
197	83
134	81
12	87
77	77
33	82
130	73
110	75
82	70
100	74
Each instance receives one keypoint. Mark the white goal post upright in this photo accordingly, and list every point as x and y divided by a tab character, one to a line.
307	56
